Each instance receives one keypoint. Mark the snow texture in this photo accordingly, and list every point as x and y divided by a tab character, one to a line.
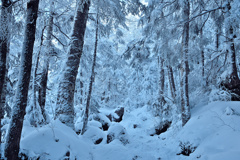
213	132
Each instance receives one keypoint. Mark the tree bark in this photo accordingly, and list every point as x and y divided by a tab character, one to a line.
161	85
35	85
4	39
65	100
232	82
186	108
171	82
85	118
44	75
202	56
15	128
81	88
6	12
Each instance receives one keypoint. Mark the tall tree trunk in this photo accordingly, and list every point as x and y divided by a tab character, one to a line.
65	100
6	12
233	53
186	108
202	57
171	82
232	82
4	39
161	85
44	75
85	118
34	107
16	124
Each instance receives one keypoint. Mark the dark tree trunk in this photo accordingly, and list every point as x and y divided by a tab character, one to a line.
161	85
85	118
81	88
202	56
4	39
171	82
232	82
217	39
6	12
15	128
65	100
186	108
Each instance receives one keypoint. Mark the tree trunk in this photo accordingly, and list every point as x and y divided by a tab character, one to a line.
233	53
202	57
161	84
4	39
6	12
186	108
44	75
34	107
65	100
232	82
81	88
171	82
85	118
15	128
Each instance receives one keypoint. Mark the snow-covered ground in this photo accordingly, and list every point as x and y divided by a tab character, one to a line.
213	132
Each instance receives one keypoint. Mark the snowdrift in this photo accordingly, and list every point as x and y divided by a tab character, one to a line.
212	133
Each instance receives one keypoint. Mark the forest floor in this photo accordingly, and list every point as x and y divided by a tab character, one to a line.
212	133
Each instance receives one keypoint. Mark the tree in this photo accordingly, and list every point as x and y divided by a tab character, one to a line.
44	74
4	39
15	128
6	12
184	76
232	82
85	118
65	99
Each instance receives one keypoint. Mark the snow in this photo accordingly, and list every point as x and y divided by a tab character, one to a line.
213	131
53	142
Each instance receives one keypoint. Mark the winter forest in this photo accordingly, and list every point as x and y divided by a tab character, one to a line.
120	79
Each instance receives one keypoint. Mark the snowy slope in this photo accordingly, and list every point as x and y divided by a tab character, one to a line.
213	131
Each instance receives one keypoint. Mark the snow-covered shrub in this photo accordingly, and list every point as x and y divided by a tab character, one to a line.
163	127
219	95
186	148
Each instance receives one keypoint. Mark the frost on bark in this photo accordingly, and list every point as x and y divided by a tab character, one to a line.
15	128
6	11
86	113
4	39
65	100
184	79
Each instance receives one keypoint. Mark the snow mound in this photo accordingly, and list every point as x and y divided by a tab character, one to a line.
215	132
212	133
54	141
